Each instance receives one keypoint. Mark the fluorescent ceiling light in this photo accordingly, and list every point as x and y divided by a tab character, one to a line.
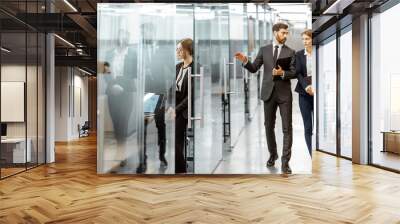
84	71
5	50
65	41
70	5
290	7
338	6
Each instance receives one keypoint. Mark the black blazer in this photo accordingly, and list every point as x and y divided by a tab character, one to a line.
181	98
265	58
301	71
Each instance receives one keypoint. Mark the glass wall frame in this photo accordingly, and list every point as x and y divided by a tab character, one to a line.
340	144
327	87
345	92
133	124
383	88
22	75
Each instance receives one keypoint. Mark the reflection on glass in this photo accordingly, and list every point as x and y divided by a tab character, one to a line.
15	147
211	47
327	96
385	89
256	14
238	36
136	56
346	94
22	92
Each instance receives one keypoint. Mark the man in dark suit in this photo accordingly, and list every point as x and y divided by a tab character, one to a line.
276	91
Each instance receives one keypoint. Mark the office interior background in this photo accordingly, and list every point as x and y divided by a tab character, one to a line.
225	100
49	94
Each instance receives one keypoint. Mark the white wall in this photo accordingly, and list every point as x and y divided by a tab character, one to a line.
71	94
16	73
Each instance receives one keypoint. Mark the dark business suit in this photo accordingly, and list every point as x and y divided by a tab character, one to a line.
276	93
306	101
181	119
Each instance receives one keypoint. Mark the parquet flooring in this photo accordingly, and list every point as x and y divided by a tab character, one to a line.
70	191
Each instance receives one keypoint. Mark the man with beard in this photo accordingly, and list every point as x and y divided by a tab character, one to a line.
276	91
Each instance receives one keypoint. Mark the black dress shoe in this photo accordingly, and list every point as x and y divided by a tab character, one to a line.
163	161
141	168
286	169
271	160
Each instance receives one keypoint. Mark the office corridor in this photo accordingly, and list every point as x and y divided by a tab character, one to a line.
70	191
250	151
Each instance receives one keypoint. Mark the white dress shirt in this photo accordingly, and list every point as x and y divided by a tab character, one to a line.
309	66
275	43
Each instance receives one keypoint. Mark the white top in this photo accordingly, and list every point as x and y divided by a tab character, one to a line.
181	77
309	62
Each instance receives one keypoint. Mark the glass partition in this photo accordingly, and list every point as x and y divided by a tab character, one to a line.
326	132
385	89
15	148
136	54
132	136
22	88
346	93
238	42
211	45
256	25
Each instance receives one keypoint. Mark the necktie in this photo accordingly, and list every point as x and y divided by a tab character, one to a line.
275	54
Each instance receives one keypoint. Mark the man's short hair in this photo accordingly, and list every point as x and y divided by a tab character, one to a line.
277	26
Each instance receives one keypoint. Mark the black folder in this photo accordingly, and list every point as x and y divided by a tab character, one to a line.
284	63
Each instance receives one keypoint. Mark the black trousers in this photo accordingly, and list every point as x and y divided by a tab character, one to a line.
306	103
160	124
159	119
284	102
180	142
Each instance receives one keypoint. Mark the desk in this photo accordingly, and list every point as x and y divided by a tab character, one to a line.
391	141
13	150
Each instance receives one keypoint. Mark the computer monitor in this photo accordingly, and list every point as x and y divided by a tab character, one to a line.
3	129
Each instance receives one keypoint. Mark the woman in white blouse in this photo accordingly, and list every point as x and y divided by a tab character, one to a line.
184	52
304	86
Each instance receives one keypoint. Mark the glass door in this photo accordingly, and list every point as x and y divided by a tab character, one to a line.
137	71
326	111
238	37
346	92
205	129
255	18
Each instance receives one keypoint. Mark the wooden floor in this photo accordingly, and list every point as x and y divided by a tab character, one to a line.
70	191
